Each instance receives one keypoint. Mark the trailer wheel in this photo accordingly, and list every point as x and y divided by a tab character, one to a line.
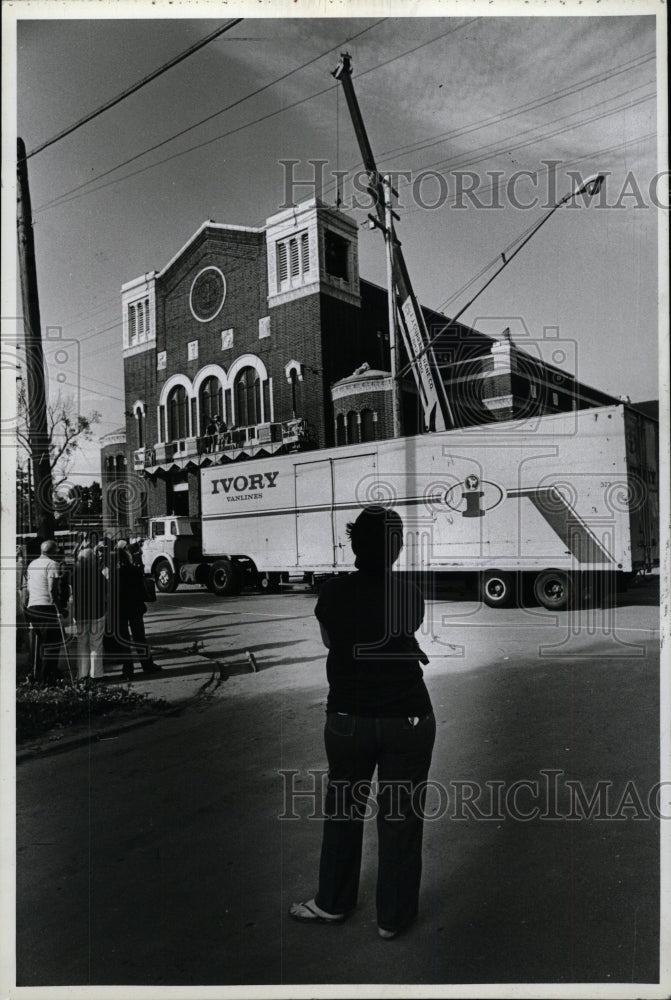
269	583
553	589
165	577
224	579
497	589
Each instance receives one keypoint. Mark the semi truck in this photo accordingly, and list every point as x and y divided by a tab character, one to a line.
548	510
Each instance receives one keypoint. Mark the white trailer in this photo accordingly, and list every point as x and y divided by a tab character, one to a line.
557	501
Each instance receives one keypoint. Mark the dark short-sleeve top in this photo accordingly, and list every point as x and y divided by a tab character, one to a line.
373	664
131	590
89	588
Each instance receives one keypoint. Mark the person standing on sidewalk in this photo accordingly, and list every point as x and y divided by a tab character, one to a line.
132	608
43	607
89	603
378	714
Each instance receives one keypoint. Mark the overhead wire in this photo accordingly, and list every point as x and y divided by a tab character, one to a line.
491	150
424	143
496	119
467	159
416	147
208	118
595	79
594	154
135	87
77	192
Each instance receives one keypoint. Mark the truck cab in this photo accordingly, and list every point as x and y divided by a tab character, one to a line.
171	542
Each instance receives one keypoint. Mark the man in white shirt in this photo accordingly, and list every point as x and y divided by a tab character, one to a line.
43	579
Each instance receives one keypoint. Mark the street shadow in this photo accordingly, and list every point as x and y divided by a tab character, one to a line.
289	661
550	899
196	648
508	894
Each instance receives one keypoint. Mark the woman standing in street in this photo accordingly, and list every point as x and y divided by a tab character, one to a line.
378	714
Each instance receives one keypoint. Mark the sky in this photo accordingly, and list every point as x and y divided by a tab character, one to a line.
461	102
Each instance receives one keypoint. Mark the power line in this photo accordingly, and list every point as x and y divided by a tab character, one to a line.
584	84
135	87
208	118
467	159
395	152
63	198
118	324
594	154
485	152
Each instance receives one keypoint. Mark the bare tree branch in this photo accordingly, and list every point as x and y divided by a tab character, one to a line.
67	429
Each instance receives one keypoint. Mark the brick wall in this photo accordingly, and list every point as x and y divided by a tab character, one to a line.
242	259
295	336
377	401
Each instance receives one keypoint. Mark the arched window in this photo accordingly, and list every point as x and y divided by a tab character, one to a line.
352	428
341	433
247	390
294	384
211	401
177	414
139	417
367	426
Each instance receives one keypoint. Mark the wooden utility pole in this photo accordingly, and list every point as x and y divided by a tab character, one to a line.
38	431
390	236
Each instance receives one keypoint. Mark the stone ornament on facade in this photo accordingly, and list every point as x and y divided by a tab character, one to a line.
208	294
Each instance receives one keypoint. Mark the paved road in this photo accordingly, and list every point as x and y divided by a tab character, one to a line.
160	858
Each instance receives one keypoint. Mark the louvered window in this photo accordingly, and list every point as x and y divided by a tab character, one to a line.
305	253
293	259
138	322
282	270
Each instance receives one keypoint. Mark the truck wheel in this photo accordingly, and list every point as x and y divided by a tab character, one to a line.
497	589
224	580
165	577
553	589
269	583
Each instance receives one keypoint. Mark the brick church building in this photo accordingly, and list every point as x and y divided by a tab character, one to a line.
264	340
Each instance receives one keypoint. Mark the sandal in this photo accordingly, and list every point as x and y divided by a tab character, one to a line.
309	913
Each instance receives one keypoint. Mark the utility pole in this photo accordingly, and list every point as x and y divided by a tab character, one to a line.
38	432
390	238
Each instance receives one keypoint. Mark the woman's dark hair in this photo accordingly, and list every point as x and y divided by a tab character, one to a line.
376	538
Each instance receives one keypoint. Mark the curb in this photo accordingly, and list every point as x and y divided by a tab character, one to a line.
46	747
51	746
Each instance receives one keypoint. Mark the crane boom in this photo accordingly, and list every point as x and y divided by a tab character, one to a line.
438	414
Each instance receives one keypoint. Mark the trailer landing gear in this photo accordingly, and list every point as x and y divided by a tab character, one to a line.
269	583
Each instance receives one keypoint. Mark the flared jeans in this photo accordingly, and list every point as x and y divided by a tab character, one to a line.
401	748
